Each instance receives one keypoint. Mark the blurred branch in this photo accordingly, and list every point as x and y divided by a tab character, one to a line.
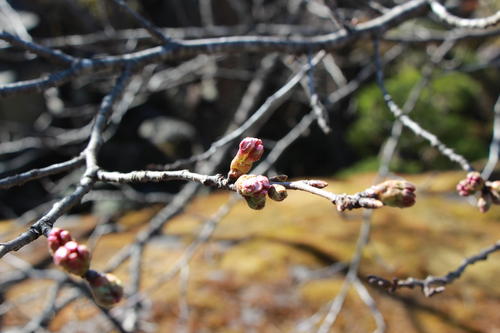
182	49
477	23
44	224
495	143
408	122
146	24
432	285
21	178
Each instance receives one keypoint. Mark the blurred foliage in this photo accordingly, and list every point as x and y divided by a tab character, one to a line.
448	107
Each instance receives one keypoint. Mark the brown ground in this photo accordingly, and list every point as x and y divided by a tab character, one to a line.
247	278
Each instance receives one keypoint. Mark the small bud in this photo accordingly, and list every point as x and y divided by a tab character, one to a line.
395	193
73	257
471	184
107	289
57	238
494	189
256	203
277	192
279	178
316	183
252	186
250	150
484	202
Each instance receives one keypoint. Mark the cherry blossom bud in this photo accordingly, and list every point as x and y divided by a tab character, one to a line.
252	186
316	183
256	203
107	289
395	193
472	183
57	238
484	202
250	150
277	192
73	257
494	189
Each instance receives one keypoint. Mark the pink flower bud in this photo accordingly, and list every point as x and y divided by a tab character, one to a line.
73	257
484	202
395	193
252	186
107	289
277	192
471	184
250	150
57	238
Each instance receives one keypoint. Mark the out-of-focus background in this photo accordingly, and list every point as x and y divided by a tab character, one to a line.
272	270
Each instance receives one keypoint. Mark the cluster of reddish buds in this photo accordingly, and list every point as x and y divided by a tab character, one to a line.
250	151
74	258
395	193
490	191
471	184
254	189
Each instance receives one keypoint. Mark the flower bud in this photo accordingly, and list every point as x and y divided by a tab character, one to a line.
484	202
494	189
472	183
256	203
57	238
279	178
73	257
252	186
107	289
316	183
277	192
250	150
395	193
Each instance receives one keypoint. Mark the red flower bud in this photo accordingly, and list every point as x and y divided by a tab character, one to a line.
395	193
107	289
73	257
252	186
250	150
471	184
57	238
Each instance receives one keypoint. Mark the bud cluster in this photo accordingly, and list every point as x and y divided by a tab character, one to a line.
74	258
471	184
255	188
71	256
395	193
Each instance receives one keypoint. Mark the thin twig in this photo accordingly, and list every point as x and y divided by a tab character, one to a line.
476	23
22	178
432	285
412	125
495	143
146	24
